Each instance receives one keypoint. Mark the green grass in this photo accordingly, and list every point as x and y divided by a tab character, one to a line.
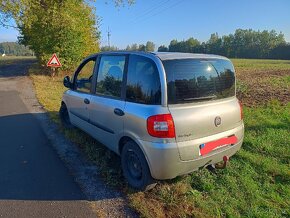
280	82
255	184
11	59
261	64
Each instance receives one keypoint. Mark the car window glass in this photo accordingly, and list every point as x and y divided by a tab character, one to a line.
110	75
143	83
196	80
84	77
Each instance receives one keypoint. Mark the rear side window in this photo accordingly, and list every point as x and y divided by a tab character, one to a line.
143	83
110	75
190	80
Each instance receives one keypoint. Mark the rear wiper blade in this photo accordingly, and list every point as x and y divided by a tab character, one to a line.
200	98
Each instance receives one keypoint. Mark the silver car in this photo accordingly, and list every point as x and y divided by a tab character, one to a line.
165	114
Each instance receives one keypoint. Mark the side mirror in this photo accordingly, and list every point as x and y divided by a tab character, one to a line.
66	82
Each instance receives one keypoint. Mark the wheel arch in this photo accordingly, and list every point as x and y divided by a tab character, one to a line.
125	139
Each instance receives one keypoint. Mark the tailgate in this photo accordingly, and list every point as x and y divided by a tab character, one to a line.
200	123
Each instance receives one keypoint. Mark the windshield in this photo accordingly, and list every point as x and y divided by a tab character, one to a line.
191	80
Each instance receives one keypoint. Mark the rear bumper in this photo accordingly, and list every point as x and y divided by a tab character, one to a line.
165	163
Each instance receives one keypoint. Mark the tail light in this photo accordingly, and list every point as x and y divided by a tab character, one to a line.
241	110
161	126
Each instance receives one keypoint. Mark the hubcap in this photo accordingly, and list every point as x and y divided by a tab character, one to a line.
134	165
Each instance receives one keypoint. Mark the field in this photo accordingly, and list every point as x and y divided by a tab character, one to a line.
257	181
262	81
10	59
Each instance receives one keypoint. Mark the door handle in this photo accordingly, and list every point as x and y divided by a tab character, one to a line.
119	112
87	101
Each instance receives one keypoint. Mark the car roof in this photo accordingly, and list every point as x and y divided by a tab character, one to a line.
180	55
168	55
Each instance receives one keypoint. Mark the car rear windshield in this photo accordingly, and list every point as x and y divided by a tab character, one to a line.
190	80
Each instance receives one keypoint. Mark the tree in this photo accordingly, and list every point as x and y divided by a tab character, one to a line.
66	27
133	47
190	45
162	48
214	44
173	45
109	48
242	44
282	51
13	48
141	47
150	46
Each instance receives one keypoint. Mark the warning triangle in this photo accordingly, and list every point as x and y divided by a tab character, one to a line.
53	61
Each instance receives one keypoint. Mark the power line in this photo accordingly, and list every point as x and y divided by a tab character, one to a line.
173	5
151	9
163	9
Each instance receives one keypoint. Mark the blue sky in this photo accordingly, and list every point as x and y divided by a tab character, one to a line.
161	21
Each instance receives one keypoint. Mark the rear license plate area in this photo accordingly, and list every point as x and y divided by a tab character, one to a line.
208	147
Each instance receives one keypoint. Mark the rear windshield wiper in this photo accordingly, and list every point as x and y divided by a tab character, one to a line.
200	98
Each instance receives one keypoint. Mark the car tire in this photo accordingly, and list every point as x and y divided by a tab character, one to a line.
135	167
64	117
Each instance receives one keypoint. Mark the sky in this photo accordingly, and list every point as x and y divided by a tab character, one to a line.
161	21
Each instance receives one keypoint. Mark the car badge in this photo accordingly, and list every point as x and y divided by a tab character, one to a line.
217	121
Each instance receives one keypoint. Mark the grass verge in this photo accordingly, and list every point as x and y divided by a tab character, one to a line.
7	60
256	183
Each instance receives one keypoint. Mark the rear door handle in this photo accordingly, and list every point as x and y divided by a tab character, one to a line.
119	112
87	101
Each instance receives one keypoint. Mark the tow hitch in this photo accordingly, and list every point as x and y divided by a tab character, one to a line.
220	165
223	164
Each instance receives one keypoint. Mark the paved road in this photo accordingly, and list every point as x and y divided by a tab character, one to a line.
33	180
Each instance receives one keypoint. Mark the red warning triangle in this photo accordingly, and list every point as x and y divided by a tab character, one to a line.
53	61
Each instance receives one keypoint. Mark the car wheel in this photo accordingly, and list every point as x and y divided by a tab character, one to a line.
135	167
64	117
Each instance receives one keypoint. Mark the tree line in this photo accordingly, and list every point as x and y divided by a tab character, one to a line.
15	49
70	28
148	47
246	43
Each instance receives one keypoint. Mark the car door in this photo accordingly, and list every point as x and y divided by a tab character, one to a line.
80	96
106	108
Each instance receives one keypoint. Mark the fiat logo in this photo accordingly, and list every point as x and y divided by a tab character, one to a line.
217	121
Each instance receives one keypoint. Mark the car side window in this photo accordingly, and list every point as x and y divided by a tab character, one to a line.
110	75
84	78
143	82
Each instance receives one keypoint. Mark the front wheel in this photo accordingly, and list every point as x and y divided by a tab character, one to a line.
135	167
64	117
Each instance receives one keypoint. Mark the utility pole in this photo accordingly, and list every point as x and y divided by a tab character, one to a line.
109	35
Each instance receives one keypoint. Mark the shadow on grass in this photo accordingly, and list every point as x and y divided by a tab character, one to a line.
263	126
17	67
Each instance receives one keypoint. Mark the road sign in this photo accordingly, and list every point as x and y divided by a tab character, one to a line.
53	61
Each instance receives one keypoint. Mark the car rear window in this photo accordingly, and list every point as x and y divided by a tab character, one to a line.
190	80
